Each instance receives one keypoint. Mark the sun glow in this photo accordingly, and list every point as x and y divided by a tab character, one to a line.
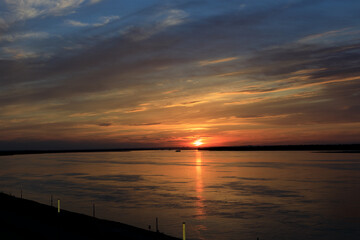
198	143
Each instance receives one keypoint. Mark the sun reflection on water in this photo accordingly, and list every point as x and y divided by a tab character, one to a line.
200	211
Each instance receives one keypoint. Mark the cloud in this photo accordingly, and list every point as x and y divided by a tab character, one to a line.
332	37
209	62
102	22
22	10
3	24
104	124
184	104
95	1
18	53
76	23
155	23
145	124
27	9
23	36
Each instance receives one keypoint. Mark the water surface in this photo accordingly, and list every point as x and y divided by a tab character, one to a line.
220	195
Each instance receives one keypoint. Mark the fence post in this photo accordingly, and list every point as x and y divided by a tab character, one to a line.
58	205
184	234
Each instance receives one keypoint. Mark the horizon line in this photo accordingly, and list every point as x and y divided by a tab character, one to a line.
288	147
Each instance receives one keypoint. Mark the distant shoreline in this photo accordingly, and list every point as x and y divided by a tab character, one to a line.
327	148
338	148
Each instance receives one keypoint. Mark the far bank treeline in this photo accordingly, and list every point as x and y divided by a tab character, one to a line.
341	148
337	148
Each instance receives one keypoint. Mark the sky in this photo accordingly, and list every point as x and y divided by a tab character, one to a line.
168	73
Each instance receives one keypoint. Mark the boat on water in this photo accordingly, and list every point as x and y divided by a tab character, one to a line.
178	150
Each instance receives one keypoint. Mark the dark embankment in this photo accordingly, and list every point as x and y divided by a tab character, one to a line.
25	219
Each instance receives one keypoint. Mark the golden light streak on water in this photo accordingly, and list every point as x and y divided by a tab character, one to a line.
200	212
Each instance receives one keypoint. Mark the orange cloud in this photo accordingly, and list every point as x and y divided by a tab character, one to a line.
222	60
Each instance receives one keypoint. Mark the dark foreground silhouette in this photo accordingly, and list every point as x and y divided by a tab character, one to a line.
25	219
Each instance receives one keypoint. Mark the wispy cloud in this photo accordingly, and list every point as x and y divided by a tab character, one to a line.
18	53
332	36
3	24
95	1
26	9
76	23
102	22
23	36
155	23
21	10
209	62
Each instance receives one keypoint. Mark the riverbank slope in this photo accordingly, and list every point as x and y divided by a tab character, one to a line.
26	219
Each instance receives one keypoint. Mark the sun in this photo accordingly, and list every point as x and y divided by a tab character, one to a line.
198	143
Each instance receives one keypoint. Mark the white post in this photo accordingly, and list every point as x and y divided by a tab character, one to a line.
184	235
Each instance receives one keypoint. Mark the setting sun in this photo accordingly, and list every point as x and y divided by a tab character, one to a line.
198	142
